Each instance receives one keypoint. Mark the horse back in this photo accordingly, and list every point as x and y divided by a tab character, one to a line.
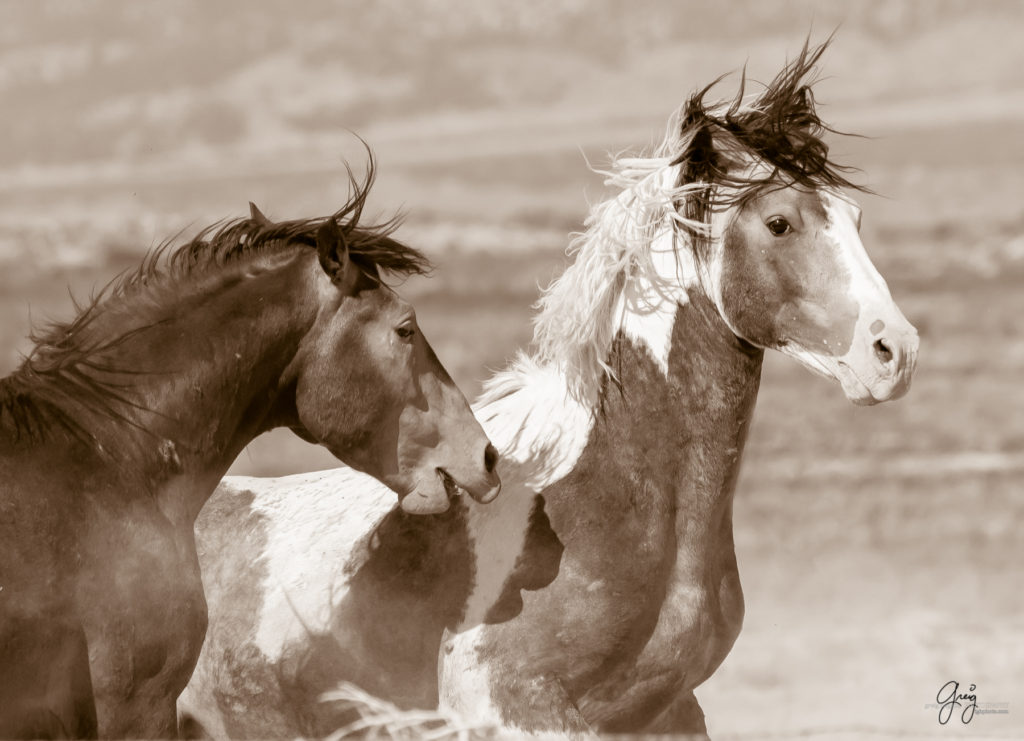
313	580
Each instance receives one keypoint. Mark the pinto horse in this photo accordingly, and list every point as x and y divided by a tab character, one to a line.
603	586
118	426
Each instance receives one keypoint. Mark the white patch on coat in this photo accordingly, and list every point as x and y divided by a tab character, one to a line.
464	681
312	523
540	431
497	532
648	307
314	520
464	684
199	703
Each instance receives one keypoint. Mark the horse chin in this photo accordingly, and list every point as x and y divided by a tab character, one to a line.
432	496
855	390
874	390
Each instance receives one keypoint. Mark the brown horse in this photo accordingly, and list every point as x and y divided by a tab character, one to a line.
603	585
118	426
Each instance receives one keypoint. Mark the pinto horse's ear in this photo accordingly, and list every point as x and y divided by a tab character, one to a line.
333	253
256	215
698	160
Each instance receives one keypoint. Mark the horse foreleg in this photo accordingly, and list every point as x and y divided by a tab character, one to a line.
499	692
682	718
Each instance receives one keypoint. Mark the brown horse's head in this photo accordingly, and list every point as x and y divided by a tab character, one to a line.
367	383
371	390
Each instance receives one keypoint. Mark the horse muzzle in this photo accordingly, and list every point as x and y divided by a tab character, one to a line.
882	367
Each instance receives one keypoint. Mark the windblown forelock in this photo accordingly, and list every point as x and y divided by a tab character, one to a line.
729	152
712	157
371	247
779	128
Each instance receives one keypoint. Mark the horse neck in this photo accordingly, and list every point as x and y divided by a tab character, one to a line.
212	366
676	415
686	403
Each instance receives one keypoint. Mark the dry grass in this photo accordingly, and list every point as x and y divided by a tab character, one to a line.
383	721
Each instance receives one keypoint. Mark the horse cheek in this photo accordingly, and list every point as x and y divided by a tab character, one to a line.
752	294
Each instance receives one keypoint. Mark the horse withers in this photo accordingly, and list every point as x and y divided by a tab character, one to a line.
602	587
119	424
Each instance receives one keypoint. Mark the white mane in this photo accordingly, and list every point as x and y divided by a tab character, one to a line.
539	411
576	320
530	408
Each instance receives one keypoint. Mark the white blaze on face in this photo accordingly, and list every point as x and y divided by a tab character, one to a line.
880	361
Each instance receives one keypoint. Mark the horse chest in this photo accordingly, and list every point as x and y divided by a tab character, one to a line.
606	580
697	623
647	602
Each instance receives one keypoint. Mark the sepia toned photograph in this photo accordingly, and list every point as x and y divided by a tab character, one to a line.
562	369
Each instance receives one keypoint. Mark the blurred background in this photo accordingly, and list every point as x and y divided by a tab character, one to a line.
880	549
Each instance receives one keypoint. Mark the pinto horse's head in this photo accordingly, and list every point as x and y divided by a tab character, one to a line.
776	241
368	386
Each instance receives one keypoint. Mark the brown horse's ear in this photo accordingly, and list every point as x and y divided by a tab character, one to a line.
333	253
256	215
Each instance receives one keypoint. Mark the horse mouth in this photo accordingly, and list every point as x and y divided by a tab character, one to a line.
451	488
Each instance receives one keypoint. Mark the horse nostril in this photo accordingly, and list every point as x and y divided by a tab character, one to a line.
883	352
490	458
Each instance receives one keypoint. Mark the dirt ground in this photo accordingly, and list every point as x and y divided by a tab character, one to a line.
879	548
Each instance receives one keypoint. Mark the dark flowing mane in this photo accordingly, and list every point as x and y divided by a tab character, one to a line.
372	248
67	365
780	127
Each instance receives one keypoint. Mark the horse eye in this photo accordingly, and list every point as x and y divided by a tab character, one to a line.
778	226
405	332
